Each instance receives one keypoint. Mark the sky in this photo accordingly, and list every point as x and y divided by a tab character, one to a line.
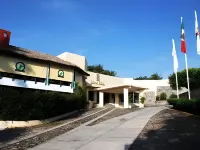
131	37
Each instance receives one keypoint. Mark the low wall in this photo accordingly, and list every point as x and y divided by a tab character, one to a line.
161	103
157	103
14	124
18	124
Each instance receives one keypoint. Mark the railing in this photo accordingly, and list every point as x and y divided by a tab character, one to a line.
35	85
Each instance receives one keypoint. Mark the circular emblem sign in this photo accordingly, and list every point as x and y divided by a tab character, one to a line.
20	66
61	73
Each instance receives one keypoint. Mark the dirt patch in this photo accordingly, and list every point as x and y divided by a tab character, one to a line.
169	130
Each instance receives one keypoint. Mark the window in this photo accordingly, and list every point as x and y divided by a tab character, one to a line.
5	34
61	73
20	66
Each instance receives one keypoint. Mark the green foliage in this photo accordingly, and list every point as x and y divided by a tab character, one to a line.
191	106
26	104
163	96
173	96
130	97
142	78
154	76
194	74
99	69
142	99
157	98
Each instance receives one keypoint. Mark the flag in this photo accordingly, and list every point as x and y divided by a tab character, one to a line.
197	33
47	75
174	57
183	44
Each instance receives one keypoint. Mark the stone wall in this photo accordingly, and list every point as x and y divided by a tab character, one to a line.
150	98
169	91
195	94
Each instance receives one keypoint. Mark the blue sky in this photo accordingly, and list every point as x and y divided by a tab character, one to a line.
132	37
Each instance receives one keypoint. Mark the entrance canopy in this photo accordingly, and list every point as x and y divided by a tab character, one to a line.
120	88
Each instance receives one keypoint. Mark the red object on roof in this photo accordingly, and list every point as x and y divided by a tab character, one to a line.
4	37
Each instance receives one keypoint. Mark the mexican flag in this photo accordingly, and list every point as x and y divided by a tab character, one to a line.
197	33
183	44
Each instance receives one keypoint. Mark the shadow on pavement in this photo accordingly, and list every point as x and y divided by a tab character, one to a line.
169	130
10	134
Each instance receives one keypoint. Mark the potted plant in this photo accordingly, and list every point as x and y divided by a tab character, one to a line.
157	98
142	99
163	96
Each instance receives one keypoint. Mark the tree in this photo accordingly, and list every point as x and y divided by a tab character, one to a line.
194	79
99	69
113	73
108	72
141	78
154	76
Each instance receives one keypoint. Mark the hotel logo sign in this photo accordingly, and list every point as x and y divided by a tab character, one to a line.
97	82
20	66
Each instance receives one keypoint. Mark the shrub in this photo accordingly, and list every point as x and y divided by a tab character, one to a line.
173	96
28	104
157	98
163	96
142	99
191	106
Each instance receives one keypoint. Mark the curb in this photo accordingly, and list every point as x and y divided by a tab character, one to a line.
85	124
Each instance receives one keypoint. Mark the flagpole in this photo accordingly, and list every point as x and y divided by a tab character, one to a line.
177	92
186	64
175	66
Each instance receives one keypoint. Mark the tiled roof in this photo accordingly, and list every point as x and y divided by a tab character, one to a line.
17	51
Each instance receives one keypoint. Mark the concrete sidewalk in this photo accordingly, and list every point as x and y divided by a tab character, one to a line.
114	134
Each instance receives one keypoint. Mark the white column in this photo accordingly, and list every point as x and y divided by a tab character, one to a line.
125	98
95	97
141	94
133	97
100	99
116	100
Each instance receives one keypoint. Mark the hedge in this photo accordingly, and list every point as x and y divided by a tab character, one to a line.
191	106
25	104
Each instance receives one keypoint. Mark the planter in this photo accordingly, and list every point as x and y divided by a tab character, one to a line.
161	103
141	105
91	104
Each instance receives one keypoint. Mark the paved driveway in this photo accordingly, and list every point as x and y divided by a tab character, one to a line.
114	134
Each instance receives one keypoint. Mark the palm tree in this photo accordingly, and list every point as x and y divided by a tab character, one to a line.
99	69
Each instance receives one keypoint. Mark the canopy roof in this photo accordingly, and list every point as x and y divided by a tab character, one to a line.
120	88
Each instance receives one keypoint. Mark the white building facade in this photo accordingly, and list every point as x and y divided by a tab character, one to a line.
122	92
